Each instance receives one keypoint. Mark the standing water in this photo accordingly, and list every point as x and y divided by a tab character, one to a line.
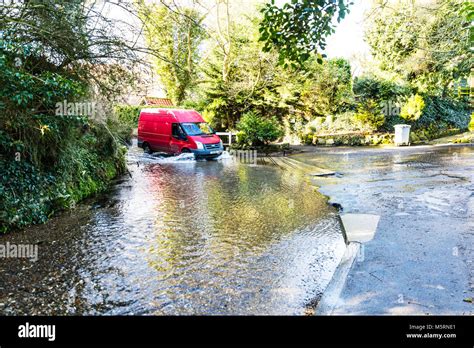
181	237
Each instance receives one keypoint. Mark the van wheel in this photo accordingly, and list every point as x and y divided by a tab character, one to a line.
185	150
147	148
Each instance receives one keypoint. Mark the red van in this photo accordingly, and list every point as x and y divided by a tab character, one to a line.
177	131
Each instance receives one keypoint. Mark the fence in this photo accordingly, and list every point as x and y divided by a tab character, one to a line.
229	136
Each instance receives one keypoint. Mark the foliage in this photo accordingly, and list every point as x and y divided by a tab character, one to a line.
251	82
242	72
389	43
386	93
29	195
255	130
443	113
326	88
299	28
467	11
371	87
255	82
413	108
370	112
351	139
427	45
49	161
346	122
471	124
177	36
424	135
128	114
76	39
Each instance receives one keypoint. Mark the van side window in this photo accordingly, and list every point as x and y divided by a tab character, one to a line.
175	130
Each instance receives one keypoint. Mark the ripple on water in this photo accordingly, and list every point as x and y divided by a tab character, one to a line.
187	237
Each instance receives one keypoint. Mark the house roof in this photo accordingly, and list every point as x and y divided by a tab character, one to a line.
157	101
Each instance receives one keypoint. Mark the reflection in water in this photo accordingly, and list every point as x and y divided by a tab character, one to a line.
188	237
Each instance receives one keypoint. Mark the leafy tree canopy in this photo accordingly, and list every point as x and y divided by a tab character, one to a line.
429	45
299	28
177	35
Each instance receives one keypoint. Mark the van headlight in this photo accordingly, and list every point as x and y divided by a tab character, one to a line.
199	145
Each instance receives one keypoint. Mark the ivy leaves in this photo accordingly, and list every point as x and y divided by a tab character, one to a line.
299	28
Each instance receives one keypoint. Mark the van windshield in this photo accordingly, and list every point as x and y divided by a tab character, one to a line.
200	128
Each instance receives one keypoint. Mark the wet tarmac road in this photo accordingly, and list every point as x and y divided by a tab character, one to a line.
421	260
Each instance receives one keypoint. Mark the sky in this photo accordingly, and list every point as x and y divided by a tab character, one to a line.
348	39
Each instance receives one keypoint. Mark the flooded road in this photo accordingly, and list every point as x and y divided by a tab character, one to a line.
181	237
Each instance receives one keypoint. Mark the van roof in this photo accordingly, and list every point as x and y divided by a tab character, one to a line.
181	115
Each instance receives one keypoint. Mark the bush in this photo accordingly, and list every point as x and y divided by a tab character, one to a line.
370	113
370	87
255	130
430	133
369	90
444	114
471	124
353	139
413	108
50	161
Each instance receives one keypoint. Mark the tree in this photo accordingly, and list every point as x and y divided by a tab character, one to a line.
327	87
52	51
413	108
384	91
223	37
255	130
250	83
370	112
427	45
299	28
177	35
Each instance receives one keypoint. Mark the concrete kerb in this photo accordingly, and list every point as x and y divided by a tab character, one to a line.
331	296
356	228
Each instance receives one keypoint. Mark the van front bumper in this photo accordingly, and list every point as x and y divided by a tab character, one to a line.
207	153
